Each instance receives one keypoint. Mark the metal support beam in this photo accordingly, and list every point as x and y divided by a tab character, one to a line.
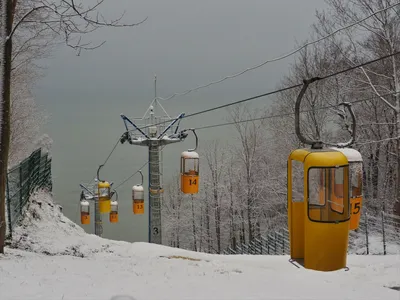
155	133
98	223
155	192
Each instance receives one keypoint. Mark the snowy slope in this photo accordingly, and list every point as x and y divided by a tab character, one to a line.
143	271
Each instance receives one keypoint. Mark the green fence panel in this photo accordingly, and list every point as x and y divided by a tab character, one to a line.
32	173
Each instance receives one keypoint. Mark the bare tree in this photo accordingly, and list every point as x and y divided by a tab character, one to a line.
214	157
26	119
249	157
173	214
68	19
380	130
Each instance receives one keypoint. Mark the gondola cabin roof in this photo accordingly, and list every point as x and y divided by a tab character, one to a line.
319	157
138	188
103	184
189	154
352	154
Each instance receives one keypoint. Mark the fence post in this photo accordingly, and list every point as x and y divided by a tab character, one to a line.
366	232
49	179
383	233
275	246
29	173
21	189
39	171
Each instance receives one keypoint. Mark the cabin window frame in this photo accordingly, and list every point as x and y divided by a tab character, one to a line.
193	161
325	200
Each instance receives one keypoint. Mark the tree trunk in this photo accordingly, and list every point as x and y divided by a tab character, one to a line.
397	114
201	229
243	232
5	122
232	231
194	227
217	212
375	173
179	223
208	234
249	217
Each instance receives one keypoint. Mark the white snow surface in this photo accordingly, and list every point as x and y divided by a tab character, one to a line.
52	258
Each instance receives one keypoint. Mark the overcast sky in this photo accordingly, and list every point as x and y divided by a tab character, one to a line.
187	44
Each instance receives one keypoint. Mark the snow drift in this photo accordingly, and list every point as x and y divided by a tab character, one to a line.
50	257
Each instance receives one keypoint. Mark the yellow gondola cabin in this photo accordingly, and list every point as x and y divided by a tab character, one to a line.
85	212
114	212
318	208
190	172
138	199
104	195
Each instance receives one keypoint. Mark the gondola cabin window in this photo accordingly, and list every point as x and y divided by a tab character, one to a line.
297	181
328	197
336	198
104	192
356	179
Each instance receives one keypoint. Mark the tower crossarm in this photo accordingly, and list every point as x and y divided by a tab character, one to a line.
126	119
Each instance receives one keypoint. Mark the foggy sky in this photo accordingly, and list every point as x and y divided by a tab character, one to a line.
187	44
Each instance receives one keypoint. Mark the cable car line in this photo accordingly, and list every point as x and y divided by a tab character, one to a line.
253	98
290	114
277	91
282	56
190	165
138	171
262	118
379	141
109	155
123	182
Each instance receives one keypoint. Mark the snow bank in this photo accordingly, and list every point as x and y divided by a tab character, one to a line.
64	262
46	230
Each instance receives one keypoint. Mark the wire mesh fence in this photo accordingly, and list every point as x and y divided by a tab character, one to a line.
274	243
377	234
32	173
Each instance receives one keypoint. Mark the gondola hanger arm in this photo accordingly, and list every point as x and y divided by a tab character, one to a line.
303	139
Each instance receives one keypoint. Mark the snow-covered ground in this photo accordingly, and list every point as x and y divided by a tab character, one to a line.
52	258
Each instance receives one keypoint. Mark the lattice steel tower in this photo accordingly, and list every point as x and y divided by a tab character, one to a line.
154	132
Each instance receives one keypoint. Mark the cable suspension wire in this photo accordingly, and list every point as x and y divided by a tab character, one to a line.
379	141
123	182
253	98
108	157
257	119
282	56
289	114
278	90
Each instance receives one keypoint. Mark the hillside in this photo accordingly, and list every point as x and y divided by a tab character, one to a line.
50	257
